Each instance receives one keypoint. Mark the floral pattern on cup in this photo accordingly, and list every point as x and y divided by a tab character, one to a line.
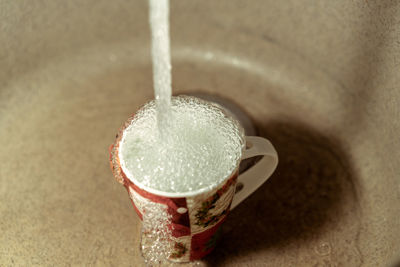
207	209
203	215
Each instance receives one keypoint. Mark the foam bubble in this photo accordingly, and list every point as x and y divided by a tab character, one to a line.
156	235
201	147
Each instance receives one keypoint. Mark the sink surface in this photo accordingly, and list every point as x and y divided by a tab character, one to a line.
328	105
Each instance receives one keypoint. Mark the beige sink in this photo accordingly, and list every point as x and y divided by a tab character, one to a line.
320	79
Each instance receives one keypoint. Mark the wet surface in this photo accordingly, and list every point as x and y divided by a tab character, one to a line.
316	209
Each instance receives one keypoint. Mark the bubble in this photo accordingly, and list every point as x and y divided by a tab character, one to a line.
323	249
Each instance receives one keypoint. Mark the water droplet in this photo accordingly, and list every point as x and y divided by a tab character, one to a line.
323	249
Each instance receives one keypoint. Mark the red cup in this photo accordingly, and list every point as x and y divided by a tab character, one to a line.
197	216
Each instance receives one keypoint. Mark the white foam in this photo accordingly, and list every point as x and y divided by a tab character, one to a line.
156	243
203	147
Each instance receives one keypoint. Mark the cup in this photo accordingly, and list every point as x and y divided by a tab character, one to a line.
196	217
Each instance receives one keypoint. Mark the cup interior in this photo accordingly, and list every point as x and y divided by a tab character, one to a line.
131	124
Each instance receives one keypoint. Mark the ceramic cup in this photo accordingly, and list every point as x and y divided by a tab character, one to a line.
197	216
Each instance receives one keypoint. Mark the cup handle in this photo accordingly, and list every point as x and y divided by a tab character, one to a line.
256	175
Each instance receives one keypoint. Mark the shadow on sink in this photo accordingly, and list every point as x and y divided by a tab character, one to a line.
308	207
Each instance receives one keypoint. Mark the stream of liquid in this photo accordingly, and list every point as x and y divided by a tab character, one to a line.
161	58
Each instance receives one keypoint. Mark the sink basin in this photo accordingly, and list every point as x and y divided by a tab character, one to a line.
320	80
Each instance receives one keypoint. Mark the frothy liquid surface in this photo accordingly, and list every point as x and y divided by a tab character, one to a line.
203	147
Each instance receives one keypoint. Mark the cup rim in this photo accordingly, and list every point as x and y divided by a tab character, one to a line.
129	175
